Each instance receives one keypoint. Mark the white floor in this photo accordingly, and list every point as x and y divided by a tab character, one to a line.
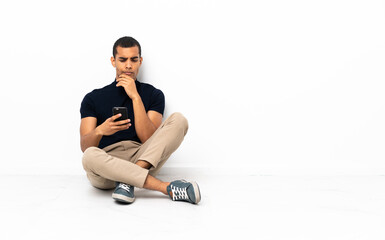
232	206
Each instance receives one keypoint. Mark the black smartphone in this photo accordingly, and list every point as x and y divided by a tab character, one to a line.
122	110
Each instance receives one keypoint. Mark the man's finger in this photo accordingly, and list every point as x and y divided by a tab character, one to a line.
125	126
119	80
113	118
121	127
125	77
121	122
122	81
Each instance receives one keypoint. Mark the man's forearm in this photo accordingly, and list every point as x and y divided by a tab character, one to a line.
143	126
91	139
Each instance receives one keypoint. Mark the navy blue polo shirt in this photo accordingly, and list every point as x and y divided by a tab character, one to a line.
99	104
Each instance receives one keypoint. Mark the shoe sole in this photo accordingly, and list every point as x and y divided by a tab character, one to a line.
197	192
123	199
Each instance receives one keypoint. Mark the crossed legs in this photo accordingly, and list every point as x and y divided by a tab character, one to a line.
134	163
151	182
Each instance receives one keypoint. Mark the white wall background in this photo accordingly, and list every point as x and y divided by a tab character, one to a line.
269	87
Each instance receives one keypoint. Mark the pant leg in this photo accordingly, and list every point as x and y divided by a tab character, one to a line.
165	140
112	164
117	161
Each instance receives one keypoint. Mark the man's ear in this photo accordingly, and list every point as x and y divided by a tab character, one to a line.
113	62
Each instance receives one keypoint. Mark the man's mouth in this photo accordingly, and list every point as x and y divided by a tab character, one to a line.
129	73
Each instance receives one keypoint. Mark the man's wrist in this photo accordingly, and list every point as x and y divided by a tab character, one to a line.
98	132
136	98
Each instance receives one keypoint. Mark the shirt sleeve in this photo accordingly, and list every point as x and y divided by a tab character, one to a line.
157	101
87	107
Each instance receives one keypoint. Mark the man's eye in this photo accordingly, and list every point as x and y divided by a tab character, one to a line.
134	60
122	60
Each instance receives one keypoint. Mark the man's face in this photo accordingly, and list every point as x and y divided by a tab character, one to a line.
127	61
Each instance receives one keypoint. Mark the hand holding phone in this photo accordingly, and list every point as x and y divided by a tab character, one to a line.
115	123
121	110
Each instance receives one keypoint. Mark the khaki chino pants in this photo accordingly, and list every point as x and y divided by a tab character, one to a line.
116	163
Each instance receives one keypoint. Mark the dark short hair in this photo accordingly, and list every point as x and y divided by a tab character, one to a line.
126	42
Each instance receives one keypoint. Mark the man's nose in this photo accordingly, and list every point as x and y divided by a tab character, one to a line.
128	65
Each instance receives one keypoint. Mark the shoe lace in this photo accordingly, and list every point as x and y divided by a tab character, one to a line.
179	193
125	187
